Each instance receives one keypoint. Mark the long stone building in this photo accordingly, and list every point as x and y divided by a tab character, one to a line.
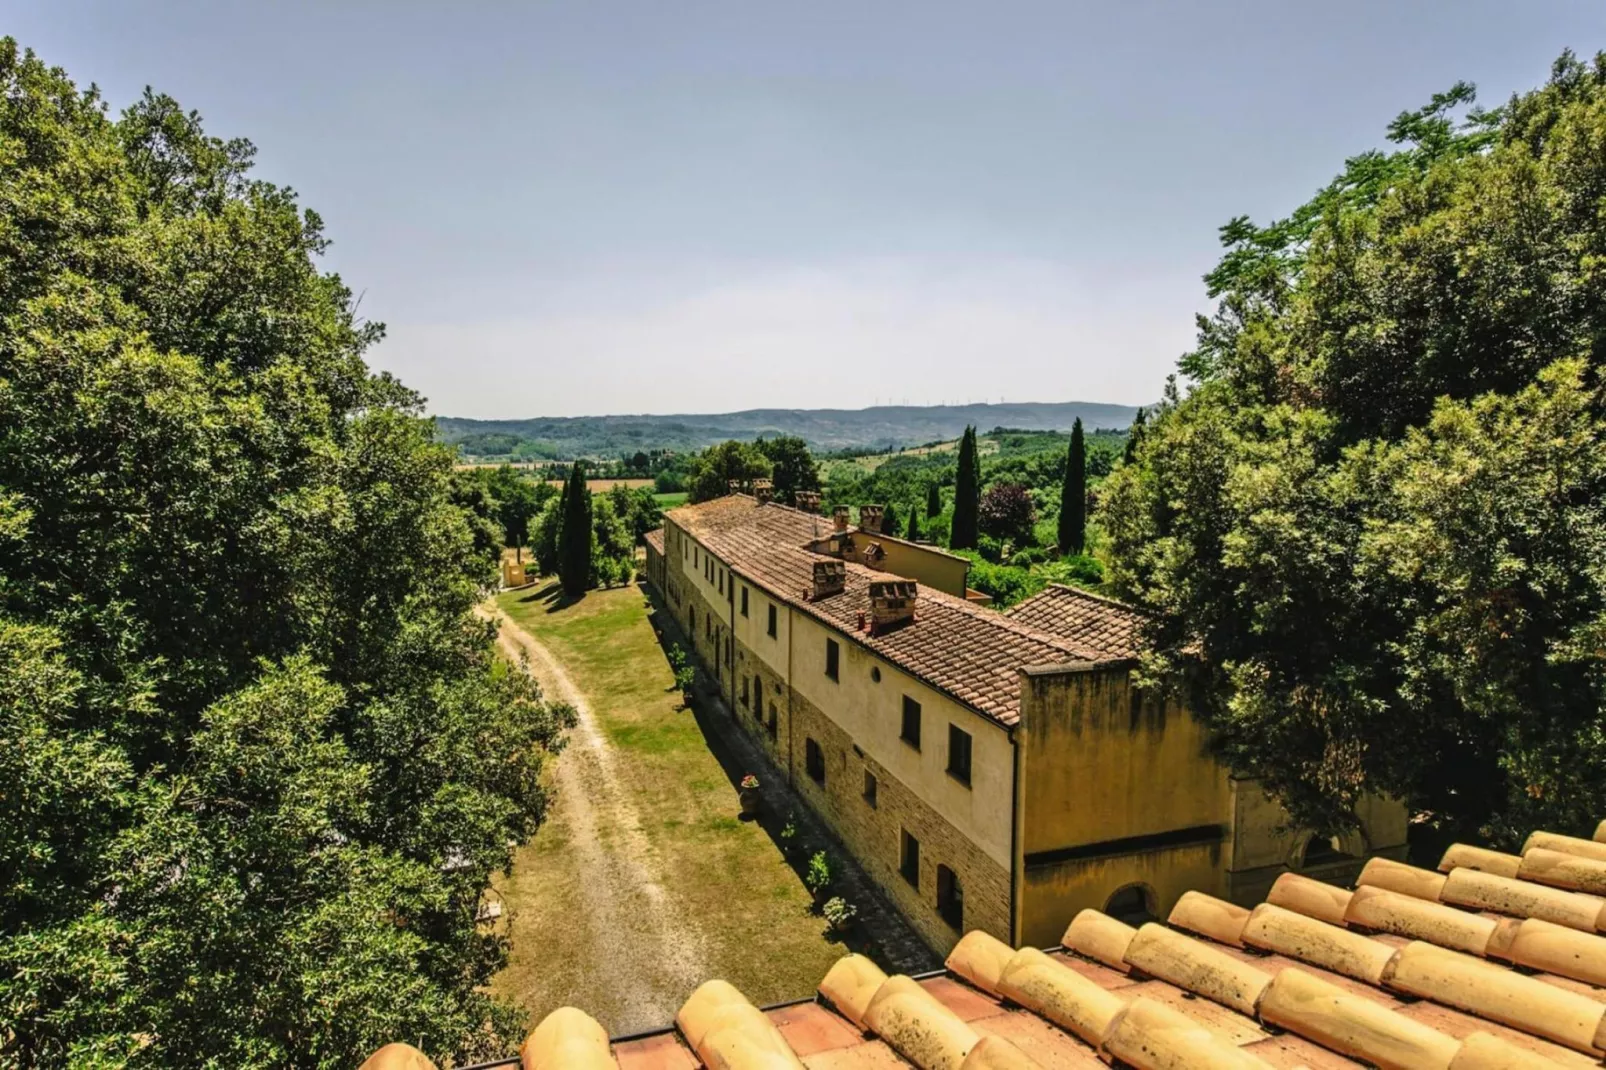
992	771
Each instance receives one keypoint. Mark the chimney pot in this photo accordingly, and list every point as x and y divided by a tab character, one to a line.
870	517
807	500
839	518
830	577
892	604
763	490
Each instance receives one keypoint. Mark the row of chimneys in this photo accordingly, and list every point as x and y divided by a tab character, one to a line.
870	516
892	602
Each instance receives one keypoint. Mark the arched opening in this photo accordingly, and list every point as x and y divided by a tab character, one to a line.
950	898
1323	850
1133	904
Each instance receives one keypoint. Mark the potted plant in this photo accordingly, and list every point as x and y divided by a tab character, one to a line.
752	800
817	877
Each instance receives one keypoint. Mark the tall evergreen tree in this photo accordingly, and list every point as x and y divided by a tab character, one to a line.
575	536
889	522
1073	495
912	531
933	501
967	494
1134	437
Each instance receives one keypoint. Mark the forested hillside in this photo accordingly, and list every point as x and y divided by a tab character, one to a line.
882	427
257	762
1373	533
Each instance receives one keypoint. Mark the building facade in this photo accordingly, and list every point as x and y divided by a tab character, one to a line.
990	771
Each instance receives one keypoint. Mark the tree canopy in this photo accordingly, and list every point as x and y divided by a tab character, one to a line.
259	760
1372	533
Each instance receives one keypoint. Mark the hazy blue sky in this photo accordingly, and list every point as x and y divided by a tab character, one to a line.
584	207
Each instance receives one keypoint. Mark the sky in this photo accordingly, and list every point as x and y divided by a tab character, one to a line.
597	206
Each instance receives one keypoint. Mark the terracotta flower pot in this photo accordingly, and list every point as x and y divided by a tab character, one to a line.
752	801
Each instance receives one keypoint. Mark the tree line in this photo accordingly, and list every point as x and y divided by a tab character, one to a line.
1372	531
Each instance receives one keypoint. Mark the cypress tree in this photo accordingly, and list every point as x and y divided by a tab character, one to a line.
933	501
1073	495
889	522
574	538
1134	437
967	494
912	532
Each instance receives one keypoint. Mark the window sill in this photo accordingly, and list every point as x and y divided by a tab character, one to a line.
957	779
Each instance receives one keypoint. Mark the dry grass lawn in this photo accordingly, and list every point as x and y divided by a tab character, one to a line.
714	891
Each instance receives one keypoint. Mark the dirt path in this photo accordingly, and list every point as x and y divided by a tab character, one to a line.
635	934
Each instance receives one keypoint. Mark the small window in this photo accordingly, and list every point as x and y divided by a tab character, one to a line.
814	761
774	725
744	600
869	788
745	701
959	754
730	645
691	619
772	621
721	581
833	655
909	860
910	732
950	898
875	673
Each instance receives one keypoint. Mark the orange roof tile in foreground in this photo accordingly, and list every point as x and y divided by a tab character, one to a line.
1391	975
970	652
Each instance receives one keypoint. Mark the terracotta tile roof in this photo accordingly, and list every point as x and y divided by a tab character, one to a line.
655	539
1110	626
1300	981
970	652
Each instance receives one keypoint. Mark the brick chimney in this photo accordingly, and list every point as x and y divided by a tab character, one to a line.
892	604
763	490
733	486
830	577
807	500
870	517
839	518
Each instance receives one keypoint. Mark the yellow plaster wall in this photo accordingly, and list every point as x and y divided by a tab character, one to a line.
1052	895
925	564
1099	763
871	714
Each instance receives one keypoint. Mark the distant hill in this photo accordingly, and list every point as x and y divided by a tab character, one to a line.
881	427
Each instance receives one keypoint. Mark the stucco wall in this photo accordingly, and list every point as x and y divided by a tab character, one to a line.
871	713
1052	894
874	834
925	564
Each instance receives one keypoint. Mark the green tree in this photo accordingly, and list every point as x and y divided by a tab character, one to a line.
967	494
518	501
889	521
1134	436
912	530
1073	495
720	466
1370	536
933	501
793	467
1006	513
247	716
575	535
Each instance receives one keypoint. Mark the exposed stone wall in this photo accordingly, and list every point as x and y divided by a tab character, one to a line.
874	833
767	710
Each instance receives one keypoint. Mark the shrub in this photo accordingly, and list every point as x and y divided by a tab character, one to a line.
839	913
1007	512
818	875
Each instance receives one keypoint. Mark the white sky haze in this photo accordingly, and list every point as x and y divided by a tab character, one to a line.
598	207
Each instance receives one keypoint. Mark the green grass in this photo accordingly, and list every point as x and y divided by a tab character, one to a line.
728	876
669	501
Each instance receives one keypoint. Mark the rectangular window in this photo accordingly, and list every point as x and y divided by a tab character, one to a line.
833	656
909	861
814	761
721	581
910	733
959	754
730	645
744	597
772	621
869	788
950	898
775	723
745	683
